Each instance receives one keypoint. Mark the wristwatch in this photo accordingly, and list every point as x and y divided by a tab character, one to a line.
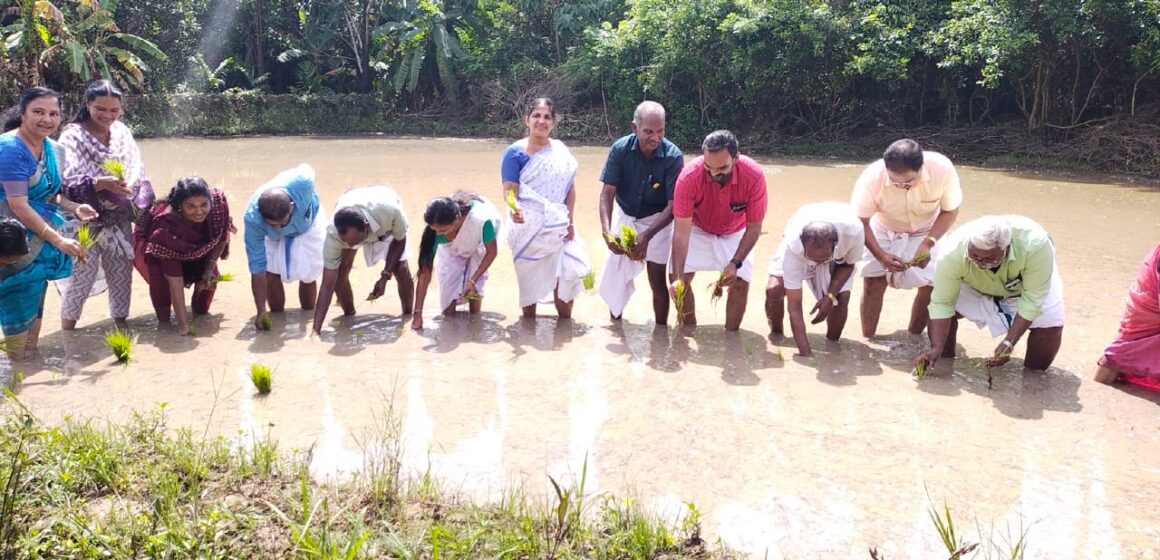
833	298
736	263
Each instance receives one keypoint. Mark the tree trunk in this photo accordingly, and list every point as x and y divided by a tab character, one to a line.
447	76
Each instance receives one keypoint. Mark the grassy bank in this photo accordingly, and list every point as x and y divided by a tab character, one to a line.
139	490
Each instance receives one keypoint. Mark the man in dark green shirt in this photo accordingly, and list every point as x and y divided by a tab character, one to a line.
640	175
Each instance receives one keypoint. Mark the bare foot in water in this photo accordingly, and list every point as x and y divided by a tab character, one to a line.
1106	375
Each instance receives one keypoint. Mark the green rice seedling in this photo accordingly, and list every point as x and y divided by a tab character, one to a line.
226	277
918	257
947	534
121	345
85	236
114	167
627	239
265	322
679	301
260	377
920	369
192	329
512	203
717	289
589	280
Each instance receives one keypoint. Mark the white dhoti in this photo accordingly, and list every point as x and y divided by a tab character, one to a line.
544	260
997	313
618	282
453	272
708	252
904	246
376	251
298	258
816	276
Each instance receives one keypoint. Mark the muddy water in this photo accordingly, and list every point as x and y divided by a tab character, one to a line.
806	458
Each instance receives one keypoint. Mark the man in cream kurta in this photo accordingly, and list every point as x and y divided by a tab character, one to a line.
907	201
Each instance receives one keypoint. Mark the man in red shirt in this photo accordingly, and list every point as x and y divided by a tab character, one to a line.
718	206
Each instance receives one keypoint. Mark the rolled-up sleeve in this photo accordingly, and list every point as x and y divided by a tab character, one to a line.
948	280
684	196
1036	280
758	200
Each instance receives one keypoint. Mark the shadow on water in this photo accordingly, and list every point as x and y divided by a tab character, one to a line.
81	355
1150	395
1015	391
353	333
542	333
739	355
461	328
291	324
838	363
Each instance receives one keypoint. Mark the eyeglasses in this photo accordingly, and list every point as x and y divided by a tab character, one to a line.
986	264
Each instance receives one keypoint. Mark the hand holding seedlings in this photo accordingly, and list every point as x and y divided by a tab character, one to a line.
927	359
514	206
920	259
892	263
1002	354
613	243
379	289
677	292
717	289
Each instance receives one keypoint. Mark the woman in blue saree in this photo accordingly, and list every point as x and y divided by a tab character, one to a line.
30	175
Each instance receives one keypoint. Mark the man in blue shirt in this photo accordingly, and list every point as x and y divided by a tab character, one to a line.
640	175
284	232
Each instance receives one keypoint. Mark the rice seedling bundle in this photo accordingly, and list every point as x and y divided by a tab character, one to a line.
589	280
85	236
260	377
114	167
227	277
513	204
679	292
121	345
265	322
718	289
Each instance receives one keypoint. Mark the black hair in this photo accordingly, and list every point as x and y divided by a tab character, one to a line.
721	140
819	234
541	102
12	117
185	188
13	242
349	217
903	155
275	204
442	211
99	88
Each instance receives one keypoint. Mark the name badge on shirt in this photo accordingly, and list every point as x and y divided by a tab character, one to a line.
739	206
1014	283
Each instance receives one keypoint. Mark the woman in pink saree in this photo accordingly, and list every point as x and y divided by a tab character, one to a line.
1135	354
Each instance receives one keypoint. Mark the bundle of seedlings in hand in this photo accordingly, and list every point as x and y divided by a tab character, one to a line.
260	376
121	345
114	167
227	277
512	203
920	369
679	301
918	257
589	280
85	236
627	240
718	289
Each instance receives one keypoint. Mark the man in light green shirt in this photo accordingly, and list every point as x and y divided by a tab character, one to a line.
371	217
998	271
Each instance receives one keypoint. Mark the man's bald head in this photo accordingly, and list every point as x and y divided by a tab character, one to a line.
275	205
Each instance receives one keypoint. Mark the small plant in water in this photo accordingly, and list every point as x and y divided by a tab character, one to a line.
85	236
121	345
265	322
114	167
226	277
920	369
260	376
589	280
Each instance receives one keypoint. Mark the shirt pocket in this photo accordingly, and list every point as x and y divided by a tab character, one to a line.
926	207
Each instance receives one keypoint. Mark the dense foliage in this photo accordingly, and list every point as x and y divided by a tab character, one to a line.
813	70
